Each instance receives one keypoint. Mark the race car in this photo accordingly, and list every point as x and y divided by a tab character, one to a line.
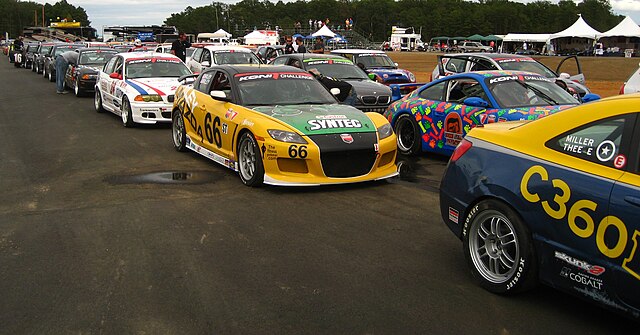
208	55
369	96
82	77
555	201
436	116
139	86
278	125
632	85
457	63
49	66
378	63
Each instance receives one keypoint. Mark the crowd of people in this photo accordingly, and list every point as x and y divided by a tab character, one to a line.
317	24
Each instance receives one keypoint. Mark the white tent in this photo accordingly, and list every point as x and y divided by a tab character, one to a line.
324	31
255	37
535	38
580	28
627	28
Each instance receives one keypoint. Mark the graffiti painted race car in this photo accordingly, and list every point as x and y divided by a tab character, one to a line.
278	125
139	86
436	116
555	200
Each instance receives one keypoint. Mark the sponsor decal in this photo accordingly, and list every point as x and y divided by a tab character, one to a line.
271	152
376	147
329	124
501	79
225	128
230	114
148	109
606	150
274	76
453	129
453	215
592	269
346	138
330	117
247	123
578	145
515	279
580	278
153	60
620	161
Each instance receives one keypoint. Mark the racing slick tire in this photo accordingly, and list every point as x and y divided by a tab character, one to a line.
51	77
97	102
178	132
408	134
250	166
33	67
499	248
127	118
77	90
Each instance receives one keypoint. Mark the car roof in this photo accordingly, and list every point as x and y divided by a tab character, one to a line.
225	48
488	55
254	68
145	54
312	55
98	49
357	51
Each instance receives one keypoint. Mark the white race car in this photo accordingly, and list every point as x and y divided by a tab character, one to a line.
139	87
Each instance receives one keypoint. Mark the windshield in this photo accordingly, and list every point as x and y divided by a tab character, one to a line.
528	91
376	60
231	57
270	89
45	49
60	50
155	67
527	65
336	68
95	57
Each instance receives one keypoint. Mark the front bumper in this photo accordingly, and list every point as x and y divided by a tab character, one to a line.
151	112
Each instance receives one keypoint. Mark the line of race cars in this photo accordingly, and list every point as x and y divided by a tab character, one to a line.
550	197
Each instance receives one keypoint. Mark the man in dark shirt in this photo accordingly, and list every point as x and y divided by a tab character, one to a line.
288	46
179	47
318	48
301	48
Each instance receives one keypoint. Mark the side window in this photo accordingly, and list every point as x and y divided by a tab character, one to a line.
435	92
221	83
280	61
295	63
108	68
118	66
196	55
206	56
482	65
603	142
456	65
461	89
205	82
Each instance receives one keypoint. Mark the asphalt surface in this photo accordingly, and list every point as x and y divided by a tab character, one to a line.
107	230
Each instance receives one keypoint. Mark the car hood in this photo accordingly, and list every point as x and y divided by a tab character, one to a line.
90	68
320	119
161	86
368	87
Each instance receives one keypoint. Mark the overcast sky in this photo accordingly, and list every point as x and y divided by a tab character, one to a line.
149	12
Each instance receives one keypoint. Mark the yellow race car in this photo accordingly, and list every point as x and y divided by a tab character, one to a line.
278	125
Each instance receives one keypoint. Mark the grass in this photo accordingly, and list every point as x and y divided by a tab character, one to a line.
604	75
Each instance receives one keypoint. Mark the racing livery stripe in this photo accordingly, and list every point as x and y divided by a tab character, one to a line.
137	88
153	88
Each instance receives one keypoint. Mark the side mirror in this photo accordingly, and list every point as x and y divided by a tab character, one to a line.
564	75
335	91
590	97
115	75
476	102
206	63
372	76
219	95
396	64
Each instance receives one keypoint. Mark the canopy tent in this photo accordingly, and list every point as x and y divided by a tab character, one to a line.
255	37
441	38
626	28
324	32
337	39
295	36
530	38
476	37
493	38
221	33
580	28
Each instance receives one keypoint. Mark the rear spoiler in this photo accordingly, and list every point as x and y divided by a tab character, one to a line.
400	90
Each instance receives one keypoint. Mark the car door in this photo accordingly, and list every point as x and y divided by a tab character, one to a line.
194	62
581	217
571	66
624	209
109	87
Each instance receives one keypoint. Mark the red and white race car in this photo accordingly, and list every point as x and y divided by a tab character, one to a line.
139	87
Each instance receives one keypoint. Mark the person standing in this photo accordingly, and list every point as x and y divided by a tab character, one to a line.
62	63
318	48
301	48
179	47
288	46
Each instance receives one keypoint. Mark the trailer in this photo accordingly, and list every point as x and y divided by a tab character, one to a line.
405	39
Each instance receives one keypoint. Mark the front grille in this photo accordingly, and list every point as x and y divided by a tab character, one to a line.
345	160
372	109
384	99
396	81
369	99
166	115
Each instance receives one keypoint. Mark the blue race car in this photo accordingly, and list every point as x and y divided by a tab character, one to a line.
379	64
555	201
436	116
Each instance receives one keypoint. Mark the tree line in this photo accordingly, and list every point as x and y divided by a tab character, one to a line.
16	15
374	18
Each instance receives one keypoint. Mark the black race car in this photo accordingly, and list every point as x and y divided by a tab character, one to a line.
82	77
49	69
40	55
369	95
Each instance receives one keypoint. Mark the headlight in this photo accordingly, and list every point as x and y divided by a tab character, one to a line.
148	98
286	136
411	77
87	76
385	131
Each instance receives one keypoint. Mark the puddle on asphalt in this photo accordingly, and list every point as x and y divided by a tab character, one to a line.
172	177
